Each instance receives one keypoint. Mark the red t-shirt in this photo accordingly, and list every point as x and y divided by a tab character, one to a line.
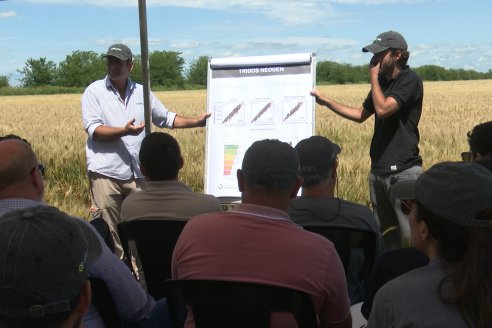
261	244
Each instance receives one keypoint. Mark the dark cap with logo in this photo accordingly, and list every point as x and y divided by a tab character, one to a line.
317	154
386	40
44	258
119	51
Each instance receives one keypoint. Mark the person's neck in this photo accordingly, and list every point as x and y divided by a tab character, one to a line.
120	85
22	192
280	202
394	72
325	189
432	251
164	180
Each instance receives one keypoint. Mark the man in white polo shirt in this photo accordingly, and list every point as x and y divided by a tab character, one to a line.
113	117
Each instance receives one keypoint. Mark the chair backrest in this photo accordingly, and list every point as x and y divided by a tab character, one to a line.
346	240
154	240
217	304
103	229
103	302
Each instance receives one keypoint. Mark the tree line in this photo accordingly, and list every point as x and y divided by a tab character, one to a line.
167	70
335	73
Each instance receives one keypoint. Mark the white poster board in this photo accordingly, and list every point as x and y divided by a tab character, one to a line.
254	98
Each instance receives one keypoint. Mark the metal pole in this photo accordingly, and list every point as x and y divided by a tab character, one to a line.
144	50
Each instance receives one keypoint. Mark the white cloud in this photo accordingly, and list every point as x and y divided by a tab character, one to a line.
131	42
7	14
453	56
185	44
285	11
324	47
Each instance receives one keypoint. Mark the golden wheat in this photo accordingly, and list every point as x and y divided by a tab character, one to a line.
53	125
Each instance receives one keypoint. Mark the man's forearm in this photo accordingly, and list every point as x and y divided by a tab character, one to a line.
108	133
351	113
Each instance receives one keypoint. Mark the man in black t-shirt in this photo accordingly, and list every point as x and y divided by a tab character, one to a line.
396	101
318	206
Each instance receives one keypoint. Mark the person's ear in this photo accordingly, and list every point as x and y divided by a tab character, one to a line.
37	181
85	300
143	169
296	187
181	162
396	55
334	169
424	232
240	180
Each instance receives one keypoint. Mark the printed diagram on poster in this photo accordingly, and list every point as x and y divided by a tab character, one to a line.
254	98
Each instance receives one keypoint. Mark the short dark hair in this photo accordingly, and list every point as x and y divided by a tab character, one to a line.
161	156
480	139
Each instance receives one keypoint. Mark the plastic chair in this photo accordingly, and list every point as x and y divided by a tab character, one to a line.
103	302
154	242
221	304
346	240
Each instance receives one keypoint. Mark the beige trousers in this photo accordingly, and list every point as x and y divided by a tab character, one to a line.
107	195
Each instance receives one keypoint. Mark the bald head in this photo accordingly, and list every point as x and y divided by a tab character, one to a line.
17	178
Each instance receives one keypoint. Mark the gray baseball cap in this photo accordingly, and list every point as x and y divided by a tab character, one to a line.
456	191
386	40
119	51
44	254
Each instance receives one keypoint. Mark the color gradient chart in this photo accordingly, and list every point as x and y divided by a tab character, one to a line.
231	160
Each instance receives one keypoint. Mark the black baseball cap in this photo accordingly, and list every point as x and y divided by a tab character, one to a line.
317	154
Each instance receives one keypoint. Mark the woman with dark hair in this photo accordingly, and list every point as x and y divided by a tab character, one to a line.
450	222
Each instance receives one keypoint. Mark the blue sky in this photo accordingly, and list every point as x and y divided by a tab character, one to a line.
448	33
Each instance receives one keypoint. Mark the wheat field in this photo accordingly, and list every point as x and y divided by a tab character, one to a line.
53	125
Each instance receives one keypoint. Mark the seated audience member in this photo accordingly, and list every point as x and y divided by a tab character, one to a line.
319	206
480	140
44	256
257	242
388	266
393	263
22	185
451	222
165	196
99	224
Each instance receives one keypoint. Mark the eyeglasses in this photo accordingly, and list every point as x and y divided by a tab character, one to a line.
466	156
40	167
406	206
